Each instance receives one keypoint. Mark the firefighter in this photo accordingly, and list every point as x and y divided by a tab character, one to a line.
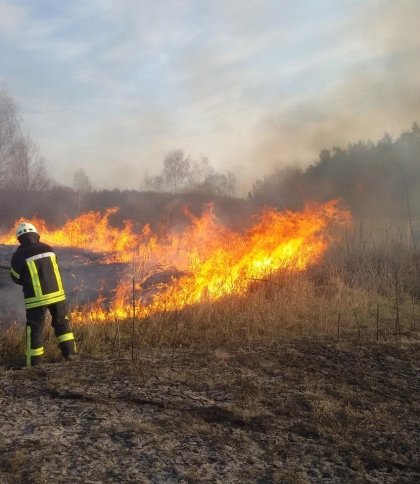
34	267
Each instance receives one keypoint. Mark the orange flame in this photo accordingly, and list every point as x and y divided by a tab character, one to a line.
90	231
212	261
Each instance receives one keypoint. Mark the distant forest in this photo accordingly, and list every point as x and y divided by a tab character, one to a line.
374	180
379	180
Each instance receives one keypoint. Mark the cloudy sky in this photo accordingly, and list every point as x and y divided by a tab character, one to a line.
112	85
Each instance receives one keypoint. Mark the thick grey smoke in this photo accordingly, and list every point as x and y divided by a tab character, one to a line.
377	93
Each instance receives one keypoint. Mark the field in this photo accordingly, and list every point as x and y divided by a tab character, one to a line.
312	376
297	411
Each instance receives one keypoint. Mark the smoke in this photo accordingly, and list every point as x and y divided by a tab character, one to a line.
251	87
377	92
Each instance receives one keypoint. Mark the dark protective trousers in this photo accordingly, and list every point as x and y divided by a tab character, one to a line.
35	319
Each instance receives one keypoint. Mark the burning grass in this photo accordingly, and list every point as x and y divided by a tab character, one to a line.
286	277
211	260
317	304
307	376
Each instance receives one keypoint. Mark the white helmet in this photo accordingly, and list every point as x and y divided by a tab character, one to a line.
25	228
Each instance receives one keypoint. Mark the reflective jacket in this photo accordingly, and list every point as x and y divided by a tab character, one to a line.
34	266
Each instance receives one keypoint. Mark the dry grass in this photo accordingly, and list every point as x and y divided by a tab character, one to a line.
338	300
362	293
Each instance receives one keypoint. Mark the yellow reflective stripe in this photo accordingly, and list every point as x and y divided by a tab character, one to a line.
44	302
37	351
41	256
36	281
35	278
56	272
44	297
28	346
65	337
14	273
29	351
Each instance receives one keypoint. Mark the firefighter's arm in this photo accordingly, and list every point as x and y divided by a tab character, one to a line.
15	271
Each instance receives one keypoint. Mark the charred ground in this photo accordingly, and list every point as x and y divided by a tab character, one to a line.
297	411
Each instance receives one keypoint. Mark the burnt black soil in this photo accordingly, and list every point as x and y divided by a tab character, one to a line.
287	412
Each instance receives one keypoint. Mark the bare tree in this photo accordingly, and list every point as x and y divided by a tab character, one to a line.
153	183
181	174
82	185
9	134
176	170
199	171
22	167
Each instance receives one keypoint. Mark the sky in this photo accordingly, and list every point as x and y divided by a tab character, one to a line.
111	86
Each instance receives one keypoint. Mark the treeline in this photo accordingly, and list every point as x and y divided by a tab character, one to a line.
181	174
22	168
164	210
57	204
375	180
27	190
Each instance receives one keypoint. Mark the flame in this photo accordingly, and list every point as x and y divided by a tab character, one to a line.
90	231
211	260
